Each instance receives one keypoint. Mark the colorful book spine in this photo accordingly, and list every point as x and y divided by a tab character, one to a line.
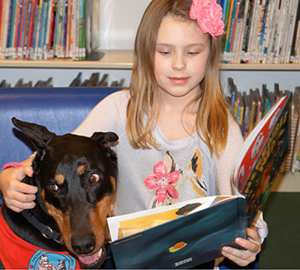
56	36
77	31
60	12
80	30
34	34
27	23
64	29
30	27
42	30
18	28
232	36
22	29
83	53
2	27
51	33
231	26
73	32
9	19
47	31
10	30
37	30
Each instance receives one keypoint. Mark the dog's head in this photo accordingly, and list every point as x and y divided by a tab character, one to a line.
76	177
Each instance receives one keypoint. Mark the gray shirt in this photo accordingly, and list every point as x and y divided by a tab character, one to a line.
179	170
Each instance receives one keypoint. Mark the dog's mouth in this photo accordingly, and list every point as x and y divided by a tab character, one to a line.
93	261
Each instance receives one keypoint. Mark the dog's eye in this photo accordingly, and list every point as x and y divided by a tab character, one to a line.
54	188
94	178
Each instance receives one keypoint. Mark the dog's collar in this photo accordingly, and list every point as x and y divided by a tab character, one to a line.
45	230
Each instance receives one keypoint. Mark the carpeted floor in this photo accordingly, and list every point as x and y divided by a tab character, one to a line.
281	249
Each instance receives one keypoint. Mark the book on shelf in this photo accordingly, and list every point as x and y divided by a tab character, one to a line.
190	233
295	160
263	31
46	29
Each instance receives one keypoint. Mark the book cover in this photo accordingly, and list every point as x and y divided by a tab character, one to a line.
190	233
261	156
171	244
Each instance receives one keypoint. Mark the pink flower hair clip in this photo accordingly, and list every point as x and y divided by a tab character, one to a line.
209	16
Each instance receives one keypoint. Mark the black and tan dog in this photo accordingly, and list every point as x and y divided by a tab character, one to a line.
76	179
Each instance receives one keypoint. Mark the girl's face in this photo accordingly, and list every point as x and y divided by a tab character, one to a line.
181	54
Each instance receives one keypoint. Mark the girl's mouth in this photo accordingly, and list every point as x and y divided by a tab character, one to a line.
179	80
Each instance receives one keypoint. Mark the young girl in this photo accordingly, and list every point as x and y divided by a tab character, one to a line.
174	126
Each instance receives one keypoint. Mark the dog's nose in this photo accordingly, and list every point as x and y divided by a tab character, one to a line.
83	244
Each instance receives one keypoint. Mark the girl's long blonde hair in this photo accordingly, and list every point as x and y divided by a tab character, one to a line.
212	115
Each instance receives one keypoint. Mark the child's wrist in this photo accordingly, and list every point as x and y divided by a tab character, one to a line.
11	165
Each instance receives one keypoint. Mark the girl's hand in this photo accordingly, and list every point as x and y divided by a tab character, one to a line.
252	247
17	195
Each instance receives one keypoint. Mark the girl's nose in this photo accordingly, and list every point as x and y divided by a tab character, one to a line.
178	64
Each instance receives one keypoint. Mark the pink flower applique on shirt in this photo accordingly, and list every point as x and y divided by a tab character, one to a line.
163	182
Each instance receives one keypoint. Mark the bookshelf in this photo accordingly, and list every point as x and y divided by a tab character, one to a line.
116	39
118	63
123	59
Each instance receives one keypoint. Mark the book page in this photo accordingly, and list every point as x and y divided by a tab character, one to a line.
142	220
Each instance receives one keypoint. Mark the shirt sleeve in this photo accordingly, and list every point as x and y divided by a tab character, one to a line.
224	164
104	116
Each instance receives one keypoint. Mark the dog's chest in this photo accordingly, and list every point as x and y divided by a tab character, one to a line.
15	253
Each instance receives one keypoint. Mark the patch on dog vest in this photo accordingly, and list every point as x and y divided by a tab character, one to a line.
47	260
15	253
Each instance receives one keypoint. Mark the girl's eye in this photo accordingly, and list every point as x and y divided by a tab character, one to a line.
54	188
193	53
94	178
164	53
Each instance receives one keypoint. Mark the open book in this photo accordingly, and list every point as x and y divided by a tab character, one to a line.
190	233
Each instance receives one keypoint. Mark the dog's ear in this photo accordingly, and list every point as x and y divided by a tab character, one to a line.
39	135
107	139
